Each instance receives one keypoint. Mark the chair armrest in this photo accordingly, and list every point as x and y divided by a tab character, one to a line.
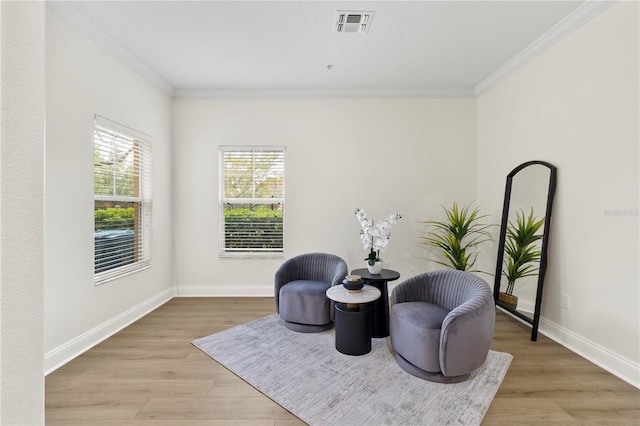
340	271
466	335
287	272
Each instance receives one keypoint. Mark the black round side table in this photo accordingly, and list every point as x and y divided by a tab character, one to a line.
381	305
353	318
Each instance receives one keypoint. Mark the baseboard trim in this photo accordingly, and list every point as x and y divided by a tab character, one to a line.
225	291
615	364
64	353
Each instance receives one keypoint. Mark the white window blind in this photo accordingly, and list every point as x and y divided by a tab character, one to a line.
122	200
251	200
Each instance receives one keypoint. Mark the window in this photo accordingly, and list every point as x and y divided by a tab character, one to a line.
251	200
122	200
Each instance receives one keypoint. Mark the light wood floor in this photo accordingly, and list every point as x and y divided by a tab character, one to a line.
150	374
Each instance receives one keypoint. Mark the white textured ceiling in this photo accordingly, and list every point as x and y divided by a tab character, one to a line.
447	47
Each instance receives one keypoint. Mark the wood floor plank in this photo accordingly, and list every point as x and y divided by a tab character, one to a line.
231	387
601	410
294	421
134	388
212	408
173	422
156	370
89	407
151	374
527	411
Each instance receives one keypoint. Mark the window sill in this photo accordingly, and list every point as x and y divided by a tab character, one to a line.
252	256
99	280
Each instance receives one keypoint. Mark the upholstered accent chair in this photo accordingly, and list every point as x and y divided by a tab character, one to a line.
442	324
301	283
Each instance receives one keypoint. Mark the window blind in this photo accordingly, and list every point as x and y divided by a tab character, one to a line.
122	200
252	199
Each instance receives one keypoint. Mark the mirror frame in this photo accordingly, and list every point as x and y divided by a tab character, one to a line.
545	239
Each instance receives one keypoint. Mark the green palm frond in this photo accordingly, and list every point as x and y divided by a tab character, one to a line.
521	248
457	239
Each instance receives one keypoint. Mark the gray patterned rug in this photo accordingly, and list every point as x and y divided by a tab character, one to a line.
307	376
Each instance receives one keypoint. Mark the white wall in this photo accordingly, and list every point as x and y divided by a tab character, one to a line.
82	80
386	156
22	109
576	106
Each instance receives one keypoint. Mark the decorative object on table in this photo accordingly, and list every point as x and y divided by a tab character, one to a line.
353	283
523	253
375	237
530	184
376	268
442	324
300	286
326	387
459	237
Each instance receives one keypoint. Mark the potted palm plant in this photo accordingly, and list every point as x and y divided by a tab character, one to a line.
523	254
458	238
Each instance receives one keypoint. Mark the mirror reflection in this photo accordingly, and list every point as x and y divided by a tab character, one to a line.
523	236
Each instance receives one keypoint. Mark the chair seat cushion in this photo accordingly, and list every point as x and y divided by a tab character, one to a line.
305	302
415	333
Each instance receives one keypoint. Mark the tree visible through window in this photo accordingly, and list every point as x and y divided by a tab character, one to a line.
122	200
252	199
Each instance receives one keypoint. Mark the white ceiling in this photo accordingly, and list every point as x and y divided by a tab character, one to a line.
444	48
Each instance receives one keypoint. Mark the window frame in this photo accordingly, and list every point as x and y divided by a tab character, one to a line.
141	198
225	253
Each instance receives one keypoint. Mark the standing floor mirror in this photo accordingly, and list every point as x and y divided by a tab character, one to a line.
524	234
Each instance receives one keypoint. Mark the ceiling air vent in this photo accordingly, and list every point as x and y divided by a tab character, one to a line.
348	21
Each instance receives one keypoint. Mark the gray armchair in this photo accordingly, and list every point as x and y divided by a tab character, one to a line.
300	290
442	324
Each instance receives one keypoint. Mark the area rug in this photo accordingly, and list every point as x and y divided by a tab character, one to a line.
307	376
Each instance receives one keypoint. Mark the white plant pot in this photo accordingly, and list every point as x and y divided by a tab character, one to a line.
376	268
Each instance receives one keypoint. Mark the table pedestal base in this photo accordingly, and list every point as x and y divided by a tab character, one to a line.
353	329
381	305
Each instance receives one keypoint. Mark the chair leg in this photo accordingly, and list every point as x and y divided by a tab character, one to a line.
306	328
437	377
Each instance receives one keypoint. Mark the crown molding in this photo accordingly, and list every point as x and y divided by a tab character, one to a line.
577	18
585	12
71	15
433	93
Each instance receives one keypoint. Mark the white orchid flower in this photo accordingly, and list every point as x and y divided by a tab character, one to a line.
375	238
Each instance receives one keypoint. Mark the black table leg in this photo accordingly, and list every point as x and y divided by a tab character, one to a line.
380	309
353	329
380	306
